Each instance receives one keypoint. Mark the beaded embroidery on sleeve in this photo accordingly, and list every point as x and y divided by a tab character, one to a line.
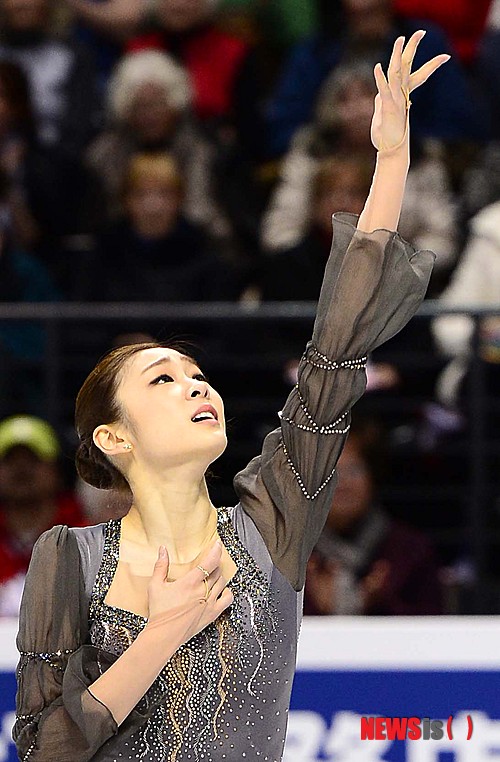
56	660
53	659
323	363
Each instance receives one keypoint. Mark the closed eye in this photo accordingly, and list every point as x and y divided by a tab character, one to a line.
165	376
161	378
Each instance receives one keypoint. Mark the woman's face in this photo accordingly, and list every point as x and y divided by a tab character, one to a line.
151	118
161	392
152	206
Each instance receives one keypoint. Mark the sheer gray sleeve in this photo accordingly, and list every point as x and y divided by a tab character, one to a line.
57	718
373	284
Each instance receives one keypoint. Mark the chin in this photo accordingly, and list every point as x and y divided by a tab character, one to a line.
219	449
205	447
223	444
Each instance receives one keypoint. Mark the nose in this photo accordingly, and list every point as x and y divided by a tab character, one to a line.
199	388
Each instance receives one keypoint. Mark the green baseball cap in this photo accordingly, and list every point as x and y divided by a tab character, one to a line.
31	432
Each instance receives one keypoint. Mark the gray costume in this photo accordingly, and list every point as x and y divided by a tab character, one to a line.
224	695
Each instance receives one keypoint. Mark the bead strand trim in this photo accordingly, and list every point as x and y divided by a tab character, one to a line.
50	658
30	751
301	484
327	364
328	428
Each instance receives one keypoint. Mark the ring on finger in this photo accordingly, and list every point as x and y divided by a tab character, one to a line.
207	591
205	572
406	93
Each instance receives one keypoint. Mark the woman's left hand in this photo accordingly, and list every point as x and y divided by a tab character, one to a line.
389	123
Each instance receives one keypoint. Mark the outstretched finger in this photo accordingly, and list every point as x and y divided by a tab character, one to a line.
394	72
422	75
382	84
409	53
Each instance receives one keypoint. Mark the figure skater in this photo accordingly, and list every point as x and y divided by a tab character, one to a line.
170	635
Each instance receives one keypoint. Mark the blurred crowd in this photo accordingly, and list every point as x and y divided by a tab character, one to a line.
194	150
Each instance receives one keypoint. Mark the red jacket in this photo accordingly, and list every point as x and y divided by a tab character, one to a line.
15	559
213	60
462	20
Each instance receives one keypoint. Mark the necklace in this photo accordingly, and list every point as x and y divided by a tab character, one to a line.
193	560
206	542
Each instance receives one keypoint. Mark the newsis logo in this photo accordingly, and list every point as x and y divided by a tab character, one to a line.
468	736
409	728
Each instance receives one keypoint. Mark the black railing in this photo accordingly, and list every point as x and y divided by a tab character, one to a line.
57	317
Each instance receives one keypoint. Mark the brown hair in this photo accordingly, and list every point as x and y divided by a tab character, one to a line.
97	404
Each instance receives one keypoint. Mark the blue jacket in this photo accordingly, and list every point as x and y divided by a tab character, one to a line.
24	279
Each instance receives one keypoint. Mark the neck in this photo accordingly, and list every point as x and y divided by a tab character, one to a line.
173	512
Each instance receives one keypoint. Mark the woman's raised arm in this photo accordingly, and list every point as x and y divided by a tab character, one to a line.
373	284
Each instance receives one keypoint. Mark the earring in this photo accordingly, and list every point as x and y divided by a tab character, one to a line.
127	446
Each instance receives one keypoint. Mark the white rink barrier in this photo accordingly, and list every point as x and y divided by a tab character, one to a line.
390	668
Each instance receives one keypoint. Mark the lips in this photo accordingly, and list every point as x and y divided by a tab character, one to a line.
206	408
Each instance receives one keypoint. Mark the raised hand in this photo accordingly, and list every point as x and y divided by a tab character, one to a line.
390	118
192	602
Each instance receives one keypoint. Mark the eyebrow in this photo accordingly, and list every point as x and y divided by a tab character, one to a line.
168	359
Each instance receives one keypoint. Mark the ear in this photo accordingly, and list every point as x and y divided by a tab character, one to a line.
108	440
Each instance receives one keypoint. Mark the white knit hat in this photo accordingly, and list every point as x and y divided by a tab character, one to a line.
146	67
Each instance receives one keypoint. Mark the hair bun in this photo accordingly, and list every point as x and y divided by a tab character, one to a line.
95	469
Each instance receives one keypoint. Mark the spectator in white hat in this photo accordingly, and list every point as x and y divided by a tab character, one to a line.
149	101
